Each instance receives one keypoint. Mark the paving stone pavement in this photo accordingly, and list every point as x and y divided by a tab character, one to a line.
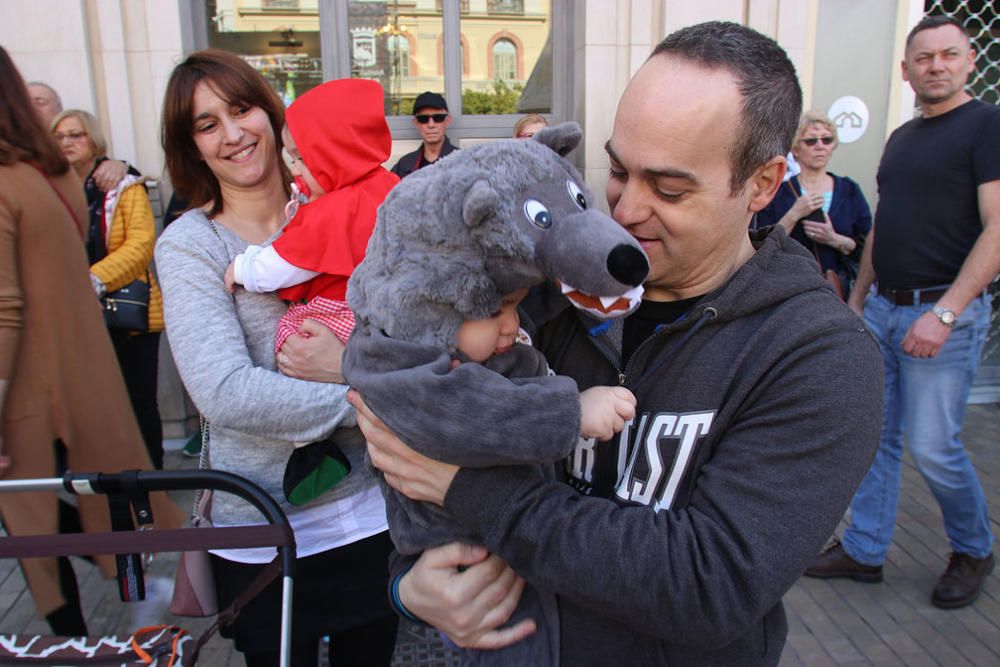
830	622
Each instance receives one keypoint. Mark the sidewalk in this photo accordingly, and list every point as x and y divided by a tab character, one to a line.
830	622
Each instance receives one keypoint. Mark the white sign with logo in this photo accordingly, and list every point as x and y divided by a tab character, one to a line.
850	115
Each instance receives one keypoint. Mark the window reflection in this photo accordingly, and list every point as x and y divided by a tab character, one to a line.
510	63
396	43
279	38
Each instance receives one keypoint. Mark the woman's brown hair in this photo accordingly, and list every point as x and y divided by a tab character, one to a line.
234	80
22	136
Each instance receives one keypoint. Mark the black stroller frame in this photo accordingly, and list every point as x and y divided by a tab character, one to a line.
132	488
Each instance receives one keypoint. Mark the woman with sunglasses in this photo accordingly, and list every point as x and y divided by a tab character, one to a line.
826	213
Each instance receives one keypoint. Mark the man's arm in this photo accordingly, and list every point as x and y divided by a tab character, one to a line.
866	276
765	502
109	173
927	335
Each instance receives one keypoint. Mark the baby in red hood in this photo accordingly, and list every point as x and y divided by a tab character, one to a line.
335	140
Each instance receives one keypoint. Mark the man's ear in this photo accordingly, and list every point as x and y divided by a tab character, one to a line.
765	182
561	138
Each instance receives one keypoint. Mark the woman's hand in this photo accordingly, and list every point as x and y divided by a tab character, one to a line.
414	475
466	593
230	277
314	356
806	204
823	232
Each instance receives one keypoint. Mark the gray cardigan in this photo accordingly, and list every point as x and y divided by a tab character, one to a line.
224	349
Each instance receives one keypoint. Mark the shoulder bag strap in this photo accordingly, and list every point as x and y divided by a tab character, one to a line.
69	209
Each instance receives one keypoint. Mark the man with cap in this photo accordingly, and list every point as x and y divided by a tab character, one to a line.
431	118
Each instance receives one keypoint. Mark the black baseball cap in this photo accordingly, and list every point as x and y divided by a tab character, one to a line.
430	100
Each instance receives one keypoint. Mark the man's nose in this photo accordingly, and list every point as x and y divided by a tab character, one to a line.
630	208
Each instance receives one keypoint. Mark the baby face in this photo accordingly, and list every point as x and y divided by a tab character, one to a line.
298	167
481	339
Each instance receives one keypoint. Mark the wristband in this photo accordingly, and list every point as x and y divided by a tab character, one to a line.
395	600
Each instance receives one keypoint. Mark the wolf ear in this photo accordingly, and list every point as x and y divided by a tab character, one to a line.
481	201
561	138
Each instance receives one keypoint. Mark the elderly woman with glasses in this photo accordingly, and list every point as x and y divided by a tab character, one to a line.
826	213
119	240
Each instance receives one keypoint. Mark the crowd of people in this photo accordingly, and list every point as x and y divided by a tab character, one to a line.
672	542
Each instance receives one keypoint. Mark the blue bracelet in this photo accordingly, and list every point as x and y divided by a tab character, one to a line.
396	602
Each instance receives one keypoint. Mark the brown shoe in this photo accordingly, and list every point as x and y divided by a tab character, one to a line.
962	581
834	563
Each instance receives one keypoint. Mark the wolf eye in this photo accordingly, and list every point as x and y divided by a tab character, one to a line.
576	194
537	213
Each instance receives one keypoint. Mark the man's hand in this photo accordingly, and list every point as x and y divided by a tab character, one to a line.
414	475
466	593
109	173
230	277
604	411
926	337
314	355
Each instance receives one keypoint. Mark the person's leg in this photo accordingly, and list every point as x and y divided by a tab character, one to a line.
67	620
369	645
934	394
138	359
873	508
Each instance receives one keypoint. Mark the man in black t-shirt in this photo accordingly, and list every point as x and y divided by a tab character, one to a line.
934	249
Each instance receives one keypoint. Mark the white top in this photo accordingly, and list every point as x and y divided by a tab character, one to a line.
324	527
262	269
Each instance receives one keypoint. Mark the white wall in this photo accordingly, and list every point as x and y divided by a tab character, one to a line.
110	57
614	38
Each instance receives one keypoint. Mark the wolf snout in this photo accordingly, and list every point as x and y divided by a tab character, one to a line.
628	265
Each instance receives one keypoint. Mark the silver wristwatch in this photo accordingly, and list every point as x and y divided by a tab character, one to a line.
946	316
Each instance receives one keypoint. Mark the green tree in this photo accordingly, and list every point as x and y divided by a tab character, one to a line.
502	98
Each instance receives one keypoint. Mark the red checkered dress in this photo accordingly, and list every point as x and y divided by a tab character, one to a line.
334	315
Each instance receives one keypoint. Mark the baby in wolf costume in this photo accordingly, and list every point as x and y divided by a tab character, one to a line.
454	249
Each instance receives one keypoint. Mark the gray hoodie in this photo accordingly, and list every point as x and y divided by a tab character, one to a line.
758	415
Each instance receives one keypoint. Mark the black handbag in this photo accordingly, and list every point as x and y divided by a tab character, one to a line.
128	307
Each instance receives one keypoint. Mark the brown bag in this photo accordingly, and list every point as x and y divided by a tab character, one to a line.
194	584
833	278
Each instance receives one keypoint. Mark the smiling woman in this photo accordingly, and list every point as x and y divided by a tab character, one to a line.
222	139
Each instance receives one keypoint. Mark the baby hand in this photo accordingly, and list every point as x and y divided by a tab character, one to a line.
604	411
231	277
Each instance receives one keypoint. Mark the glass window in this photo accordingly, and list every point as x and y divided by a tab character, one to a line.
399	55
504	60
397	44
510	69
280	38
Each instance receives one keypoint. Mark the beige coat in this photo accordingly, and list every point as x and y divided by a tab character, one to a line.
64	380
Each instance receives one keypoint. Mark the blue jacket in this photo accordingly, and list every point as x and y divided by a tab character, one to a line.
849	213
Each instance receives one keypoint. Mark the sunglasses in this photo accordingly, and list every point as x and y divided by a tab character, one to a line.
72	136
811	141
424	118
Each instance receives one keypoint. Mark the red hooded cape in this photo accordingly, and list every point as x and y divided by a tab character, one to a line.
340	130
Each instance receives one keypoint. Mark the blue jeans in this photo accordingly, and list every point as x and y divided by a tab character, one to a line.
925	399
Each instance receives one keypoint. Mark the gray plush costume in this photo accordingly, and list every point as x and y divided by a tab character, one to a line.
450	242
